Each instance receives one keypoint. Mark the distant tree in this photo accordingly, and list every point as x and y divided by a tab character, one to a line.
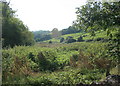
55	33
69	30
45	37
41	35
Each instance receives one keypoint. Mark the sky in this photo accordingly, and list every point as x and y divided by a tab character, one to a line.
46	14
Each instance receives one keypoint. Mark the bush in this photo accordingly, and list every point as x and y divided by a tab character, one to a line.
42	81
61	40
80	39
70	40
31	56
44	64
47	61
69	37
85	35
99	39
89	40
50	42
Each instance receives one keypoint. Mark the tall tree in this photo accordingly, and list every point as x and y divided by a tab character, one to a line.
102	16
14	32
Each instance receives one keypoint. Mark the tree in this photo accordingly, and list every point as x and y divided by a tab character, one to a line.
102	16
55	33
41	35
14	32
97	16
70	29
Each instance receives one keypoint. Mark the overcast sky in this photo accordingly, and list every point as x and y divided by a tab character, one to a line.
46	14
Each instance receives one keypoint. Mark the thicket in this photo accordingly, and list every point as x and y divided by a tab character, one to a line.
22	62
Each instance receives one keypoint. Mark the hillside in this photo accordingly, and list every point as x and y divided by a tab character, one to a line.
41	35
86	36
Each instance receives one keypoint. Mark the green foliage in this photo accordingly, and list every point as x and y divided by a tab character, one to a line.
41	35
14	32
43	62
61	40
70	30
43	81
53	64
70	40
31	56
47	64
114	44
95	16
71	77
50	42
80	39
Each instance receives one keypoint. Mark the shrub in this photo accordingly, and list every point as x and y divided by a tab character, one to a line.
102	63
47	61
69	37
99	39
73	62
42	81
70	40
61	40
43	62
50	42
89	40
31	56
80	39
85	35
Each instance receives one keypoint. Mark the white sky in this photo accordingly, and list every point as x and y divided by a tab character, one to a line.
46	14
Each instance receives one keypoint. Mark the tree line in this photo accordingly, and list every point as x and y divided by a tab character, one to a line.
46	35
